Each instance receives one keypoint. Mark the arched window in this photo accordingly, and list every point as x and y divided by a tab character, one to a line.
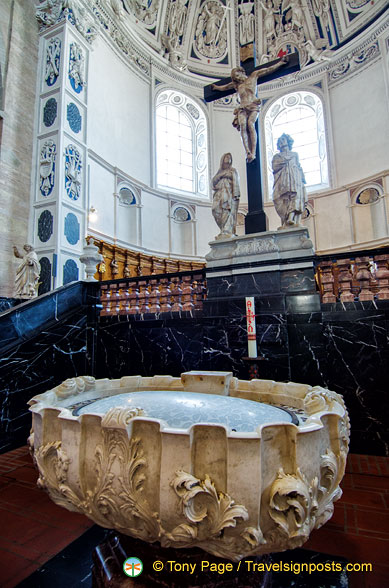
300	115
181	142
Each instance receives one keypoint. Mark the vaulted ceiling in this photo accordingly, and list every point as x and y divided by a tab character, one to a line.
209	37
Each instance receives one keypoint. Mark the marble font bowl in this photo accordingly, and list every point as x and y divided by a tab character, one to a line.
234	467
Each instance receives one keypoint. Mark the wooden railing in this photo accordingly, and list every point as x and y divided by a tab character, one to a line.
119	263
363	276
339	278
153	295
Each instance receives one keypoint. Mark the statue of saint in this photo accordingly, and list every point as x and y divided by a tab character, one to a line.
177	19
226	197
295	15
27	274
212	23
247	112
289	193
269	21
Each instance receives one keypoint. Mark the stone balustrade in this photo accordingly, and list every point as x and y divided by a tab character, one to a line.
348	279
153	295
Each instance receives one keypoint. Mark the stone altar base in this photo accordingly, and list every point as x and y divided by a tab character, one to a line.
108	559
276	267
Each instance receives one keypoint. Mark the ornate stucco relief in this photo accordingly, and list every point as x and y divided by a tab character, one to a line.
50	12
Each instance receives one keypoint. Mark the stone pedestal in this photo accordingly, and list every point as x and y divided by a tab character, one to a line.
276	267
179	568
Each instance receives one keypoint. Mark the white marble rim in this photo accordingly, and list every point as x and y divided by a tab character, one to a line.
314	423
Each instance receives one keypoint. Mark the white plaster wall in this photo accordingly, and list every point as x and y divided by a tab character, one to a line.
370	221
182	238
333	229
118	113
360	125
128	225
101	196
207	229
155	222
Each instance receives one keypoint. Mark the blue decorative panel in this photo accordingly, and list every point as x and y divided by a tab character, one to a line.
76	68
53	57
72	229
70	271
45	226
73	167
45	276
50	112
47	167
74	117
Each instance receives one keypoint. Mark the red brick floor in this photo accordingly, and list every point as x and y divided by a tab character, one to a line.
359	528
33	529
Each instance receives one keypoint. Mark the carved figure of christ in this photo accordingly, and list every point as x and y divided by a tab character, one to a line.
247	112
244	82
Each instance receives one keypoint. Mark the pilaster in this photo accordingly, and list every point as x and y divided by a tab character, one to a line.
59	193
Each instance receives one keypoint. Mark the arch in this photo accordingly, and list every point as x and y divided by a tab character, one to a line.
182	228
127	195
129	212
369	212
300	114
181	131
181	213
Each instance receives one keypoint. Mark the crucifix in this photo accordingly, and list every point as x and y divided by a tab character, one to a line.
244	80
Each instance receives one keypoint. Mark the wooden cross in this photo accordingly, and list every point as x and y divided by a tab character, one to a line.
256	220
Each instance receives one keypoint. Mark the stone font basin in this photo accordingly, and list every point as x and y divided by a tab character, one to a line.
181	410
234	467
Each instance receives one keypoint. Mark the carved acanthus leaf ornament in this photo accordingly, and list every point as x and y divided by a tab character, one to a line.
298	506
113	493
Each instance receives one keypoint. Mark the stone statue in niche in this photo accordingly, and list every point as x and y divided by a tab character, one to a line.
226	197
246	23
177	19
321	9
211	30
269	21
27	274
289	193
246	114
295	15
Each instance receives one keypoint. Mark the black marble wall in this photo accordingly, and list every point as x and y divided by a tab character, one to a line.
343	347
42	343
7	303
